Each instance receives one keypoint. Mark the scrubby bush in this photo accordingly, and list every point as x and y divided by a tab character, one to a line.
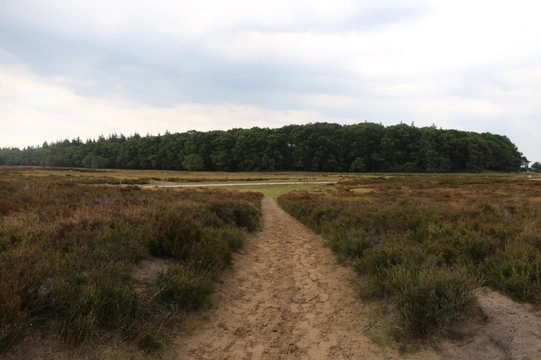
422	242
517	271
185	286
69	252
430	299
238	213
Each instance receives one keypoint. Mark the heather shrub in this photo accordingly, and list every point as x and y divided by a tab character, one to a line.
430	299
9	236
352	243
239	213
92	299
211	254
517	271
185	286
232	236
69	253
380	265
174	235
12	313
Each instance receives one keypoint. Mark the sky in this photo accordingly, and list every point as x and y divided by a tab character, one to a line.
74	68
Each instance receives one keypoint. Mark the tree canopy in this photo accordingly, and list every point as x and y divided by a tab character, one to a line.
363	147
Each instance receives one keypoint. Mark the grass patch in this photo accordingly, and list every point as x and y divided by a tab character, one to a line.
275	191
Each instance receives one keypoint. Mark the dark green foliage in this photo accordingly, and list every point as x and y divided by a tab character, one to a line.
12	313
176	232
364	147
193	162
97	298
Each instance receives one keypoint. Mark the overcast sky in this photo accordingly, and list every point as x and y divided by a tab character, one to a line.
72	68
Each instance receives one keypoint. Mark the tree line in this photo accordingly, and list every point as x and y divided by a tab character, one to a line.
363	147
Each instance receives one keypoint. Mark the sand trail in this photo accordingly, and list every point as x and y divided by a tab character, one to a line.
286	298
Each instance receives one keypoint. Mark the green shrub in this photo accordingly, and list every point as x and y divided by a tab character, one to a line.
185	286
232	236
380	265
93	299
68	252
351	244
517	271
174	235
431	299
152	330
239	213
379	259
9	236
212	254
423	243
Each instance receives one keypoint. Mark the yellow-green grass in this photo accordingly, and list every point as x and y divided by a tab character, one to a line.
275	191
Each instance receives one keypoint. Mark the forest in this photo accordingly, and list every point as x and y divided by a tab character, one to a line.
362	147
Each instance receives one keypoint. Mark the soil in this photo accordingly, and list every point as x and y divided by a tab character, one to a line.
285	297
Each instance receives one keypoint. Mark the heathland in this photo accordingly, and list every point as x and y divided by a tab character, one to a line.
87	261
71	257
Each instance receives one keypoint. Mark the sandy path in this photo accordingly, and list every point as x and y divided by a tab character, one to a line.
284	298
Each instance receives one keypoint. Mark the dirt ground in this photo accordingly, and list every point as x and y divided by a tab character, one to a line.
286	298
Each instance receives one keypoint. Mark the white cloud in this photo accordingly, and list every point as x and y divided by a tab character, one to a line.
34	110
98	67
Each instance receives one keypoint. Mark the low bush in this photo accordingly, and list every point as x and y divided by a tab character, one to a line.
517	271
238	213
185	286
423	242
430	299
69	254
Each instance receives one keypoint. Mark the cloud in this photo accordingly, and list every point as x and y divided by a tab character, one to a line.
91	68
45	109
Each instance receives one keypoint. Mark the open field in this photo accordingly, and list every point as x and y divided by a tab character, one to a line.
93	266
139	177
152	176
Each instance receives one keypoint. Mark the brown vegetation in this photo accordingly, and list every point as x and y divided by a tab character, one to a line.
69	255
425	243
